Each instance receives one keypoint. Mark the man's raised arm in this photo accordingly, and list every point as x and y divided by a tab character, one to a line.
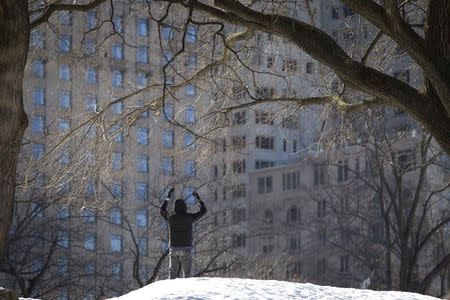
197	215
163	208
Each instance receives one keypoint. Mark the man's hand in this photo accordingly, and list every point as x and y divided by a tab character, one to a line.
169	194
196	195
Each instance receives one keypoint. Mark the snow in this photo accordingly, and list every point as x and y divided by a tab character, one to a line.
243	289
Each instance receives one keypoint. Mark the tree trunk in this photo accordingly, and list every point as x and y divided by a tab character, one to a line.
14	39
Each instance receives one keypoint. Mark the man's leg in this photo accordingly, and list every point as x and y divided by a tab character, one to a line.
174	262
186	262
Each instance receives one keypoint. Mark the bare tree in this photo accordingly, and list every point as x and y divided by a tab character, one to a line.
390	212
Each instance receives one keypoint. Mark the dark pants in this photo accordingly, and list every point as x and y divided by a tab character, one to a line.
177	257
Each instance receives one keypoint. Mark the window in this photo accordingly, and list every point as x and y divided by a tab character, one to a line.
65	43
91	20
239	191
141	104
141	190
117	190
167	33
239	117
167	138
321	266
142	27
405	159
289	65
88	215
191	34
348	11
291	181
90	103
39	68
141	218
142	79
238	142
294	146
334	13
309	67
167	165
63	212
239	240
65	100
189	115
39	96
143	272
270	62
187	195
319	174
116	216
268	216
64	73
142	136
189	141
142	163
116	271
91	75
321	208
116	243
89	269
117	78
90	241
118	24
264	184
264	142
168	56
192	60
64	126
38	124
293	215
64	158
117	51
63	239
261	164
264	93
117	132
342	170
344	267
38	39
63	267
238	215
289	122
37	150
90	189
117	108
403	75
239	166
142	55
65	17
262	117
168	111
334	86
294	270
294	243
89	45
142	245
117	161
190	168
190	90
37	210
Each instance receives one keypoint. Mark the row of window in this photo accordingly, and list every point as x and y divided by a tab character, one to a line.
261	142
264	118
289	65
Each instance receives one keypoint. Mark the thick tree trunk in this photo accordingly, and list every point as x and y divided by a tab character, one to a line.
14	39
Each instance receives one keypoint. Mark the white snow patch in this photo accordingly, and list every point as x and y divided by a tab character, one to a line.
246	289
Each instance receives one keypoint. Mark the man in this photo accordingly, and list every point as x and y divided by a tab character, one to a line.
180	233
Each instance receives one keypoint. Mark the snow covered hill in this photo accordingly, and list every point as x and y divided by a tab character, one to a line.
246	289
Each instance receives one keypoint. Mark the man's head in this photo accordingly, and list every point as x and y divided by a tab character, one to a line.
180	206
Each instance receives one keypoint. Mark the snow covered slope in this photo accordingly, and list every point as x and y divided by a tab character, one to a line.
246	289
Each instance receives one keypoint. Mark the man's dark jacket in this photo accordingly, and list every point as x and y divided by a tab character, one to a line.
180	222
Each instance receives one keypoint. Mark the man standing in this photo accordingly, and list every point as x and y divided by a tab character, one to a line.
180	233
